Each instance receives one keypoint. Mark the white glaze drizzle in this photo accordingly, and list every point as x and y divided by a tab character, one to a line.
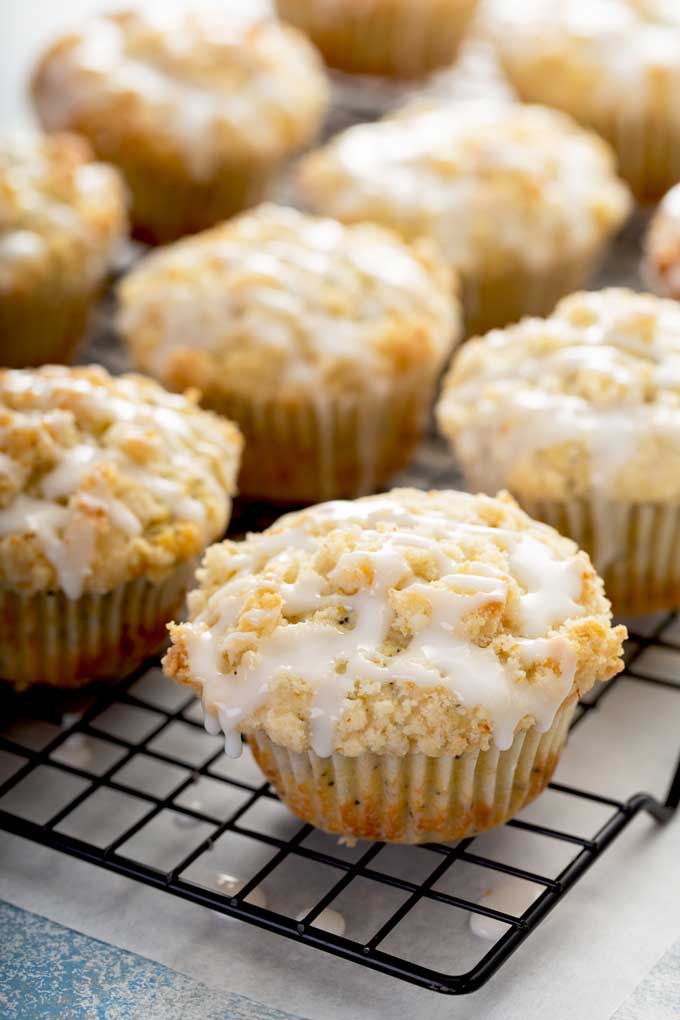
61	508
315	295
330	659
522	398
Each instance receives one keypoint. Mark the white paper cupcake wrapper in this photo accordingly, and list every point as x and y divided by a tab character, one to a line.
331	447
48	638
635	547
493	301
415	798
389	39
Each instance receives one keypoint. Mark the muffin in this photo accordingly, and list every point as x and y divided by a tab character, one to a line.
661	261
323	341
520	200
62	218
110	489
393	38
614	65
579	416
197	108
405	666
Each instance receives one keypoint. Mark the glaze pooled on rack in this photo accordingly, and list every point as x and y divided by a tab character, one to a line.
434	622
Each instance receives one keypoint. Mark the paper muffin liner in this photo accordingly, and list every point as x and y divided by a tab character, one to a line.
647	145
415	798
390	39
167	202
493	300
43	325
635	547
331	447
50	639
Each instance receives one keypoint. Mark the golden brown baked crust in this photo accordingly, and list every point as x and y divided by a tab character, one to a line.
277	302
62	215
448	621
105	479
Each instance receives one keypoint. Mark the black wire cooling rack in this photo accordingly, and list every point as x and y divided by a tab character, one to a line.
48	750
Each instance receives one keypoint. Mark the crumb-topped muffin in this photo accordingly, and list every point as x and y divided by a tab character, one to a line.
62	218
519	198
110	488
614	65
198	108
579	416
661	262
406	665
323	341
393	38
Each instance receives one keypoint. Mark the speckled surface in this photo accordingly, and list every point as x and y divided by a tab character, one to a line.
49	972
658	996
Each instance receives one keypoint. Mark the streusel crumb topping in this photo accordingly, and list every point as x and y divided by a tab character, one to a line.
203	84
488	181
106	479
584	402
412	621
61	214
276	300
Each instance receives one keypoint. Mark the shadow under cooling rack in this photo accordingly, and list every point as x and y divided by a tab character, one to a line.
130	782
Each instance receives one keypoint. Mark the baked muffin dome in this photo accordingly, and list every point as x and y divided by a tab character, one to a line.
294	325
614	65
62	217
198	108
405	666
588	398
511	193
661	263
105	479
579	416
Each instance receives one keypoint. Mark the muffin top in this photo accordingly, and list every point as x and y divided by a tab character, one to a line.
661	264
199	84
418	621
105	479
279	301
583	52
489	182
585	400
60	213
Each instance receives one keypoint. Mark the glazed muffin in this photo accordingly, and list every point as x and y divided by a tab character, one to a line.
520	200
614	65
62	220
579	416
405	666
324	342
109	491
661	261
393	38
198	109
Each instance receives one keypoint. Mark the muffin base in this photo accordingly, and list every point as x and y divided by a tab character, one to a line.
635	547
42	325
492	301
387	39
415	798
168	204
332	448
50	639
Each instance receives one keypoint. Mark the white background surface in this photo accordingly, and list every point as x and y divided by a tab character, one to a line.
585	960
